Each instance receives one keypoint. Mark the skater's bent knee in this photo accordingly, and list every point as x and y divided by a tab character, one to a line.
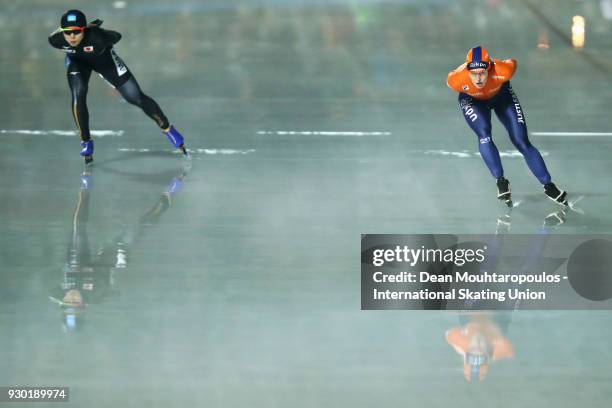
484	138
133	98
134	101
523	147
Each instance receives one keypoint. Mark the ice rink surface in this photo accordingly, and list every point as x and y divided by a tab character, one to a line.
233	279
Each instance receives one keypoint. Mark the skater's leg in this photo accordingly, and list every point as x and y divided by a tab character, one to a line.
78	75
478	117
117	74
132	93
509	111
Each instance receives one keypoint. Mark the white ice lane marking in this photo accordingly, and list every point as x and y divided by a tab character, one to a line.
573	134
465	154
192	151
321	133
97	133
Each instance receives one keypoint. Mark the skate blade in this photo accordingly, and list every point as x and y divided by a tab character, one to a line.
504	220
506	198
185	152
563	203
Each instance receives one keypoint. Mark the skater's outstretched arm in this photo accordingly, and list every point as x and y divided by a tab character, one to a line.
109	37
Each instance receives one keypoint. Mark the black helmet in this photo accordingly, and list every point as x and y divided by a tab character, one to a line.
73	18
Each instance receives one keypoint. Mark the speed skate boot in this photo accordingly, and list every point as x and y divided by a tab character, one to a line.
87	149
503	191
176	138
558	196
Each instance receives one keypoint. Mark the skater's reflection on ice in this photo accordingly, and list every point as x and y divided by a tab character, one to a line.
481	340
88	277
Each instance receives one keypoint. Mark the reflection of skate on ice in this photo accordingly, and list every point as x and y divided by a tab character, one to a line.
504	222
121	256
86	179
555	219
89	277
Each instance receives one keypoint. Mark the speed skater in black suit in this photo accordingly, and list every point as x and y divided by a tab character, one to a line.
88	48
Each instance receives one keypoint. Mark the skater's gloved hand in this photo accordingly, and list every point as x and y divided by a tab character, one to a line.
86	180
95	23
460	67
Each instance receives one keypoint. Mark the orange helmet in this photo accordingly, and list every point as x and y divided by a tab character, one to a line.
477	58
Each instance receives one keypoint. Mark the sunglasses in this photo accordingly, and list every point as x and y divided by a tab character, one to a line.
73	30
